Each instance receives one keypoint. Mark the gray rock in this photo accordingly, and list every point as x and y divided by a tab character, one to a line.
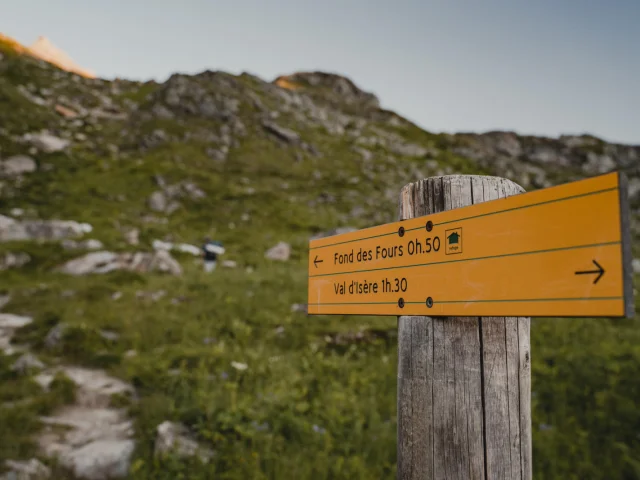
95	262
408	149
162	261
280	252
26	362
160	111
4	300
32	469
89	244
634	190
158	201
14	260
175	438
132	237
89	438
193	191
299	307
636	265
14	230
55	336
219	155
547	155
104	262
331	233
46	142
100	460
9	323
154	139
229	264
17	165
288	136
364	153
109	335
598	164
172	207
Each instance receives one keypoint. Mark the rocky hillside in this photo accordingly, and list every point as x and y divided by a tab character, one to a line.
121	357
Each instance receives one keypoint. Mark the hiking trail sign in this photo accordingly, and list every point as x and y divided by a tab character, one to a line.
562	251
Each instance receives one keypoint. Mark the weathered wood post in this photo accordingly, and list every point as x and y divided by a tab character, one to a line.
464	383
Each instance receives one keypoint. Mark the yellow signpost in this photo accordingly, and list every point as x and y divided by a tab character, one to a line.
562	251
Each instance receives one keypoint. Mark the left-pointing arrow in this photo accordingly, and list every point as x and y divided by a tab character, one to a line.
316	261
599	271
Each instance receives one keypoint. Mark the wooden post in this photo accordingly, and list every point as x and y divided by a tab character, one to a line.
464	383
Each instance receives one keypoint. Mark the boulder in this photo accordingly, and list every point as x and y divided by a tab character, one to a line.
281	252
17	165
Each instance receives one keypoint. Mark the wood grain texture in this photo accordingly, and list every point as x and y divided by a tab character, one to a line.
464	384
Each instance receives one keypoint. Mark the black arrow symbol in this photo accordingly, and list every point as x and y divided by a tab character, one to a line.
600	271
316	261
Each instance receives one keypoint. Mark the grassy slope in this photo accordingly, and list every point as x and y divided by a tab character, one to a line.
307	406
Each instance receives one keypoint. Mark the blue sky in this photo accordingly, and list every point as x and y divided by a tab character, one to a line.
535	67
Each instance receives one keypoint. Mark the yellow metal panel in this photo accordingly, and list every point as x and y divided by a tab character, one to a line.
553	252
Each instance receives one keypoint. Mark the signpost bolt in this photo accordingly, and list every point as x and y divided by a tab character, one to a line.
401	303
429	226
401	231
429	302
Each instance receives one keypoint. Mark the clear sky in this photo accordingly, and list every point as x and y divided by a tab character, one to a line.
539	67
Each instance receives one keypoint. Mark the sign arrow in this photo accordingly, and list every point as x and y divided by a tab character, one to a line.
316	261
600	271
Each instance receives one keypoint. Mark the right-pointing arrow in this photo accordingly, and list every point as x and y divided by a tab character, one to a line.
599	271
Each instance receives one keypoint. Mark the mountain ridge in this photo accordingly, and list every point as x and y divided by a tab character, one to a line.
45	50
